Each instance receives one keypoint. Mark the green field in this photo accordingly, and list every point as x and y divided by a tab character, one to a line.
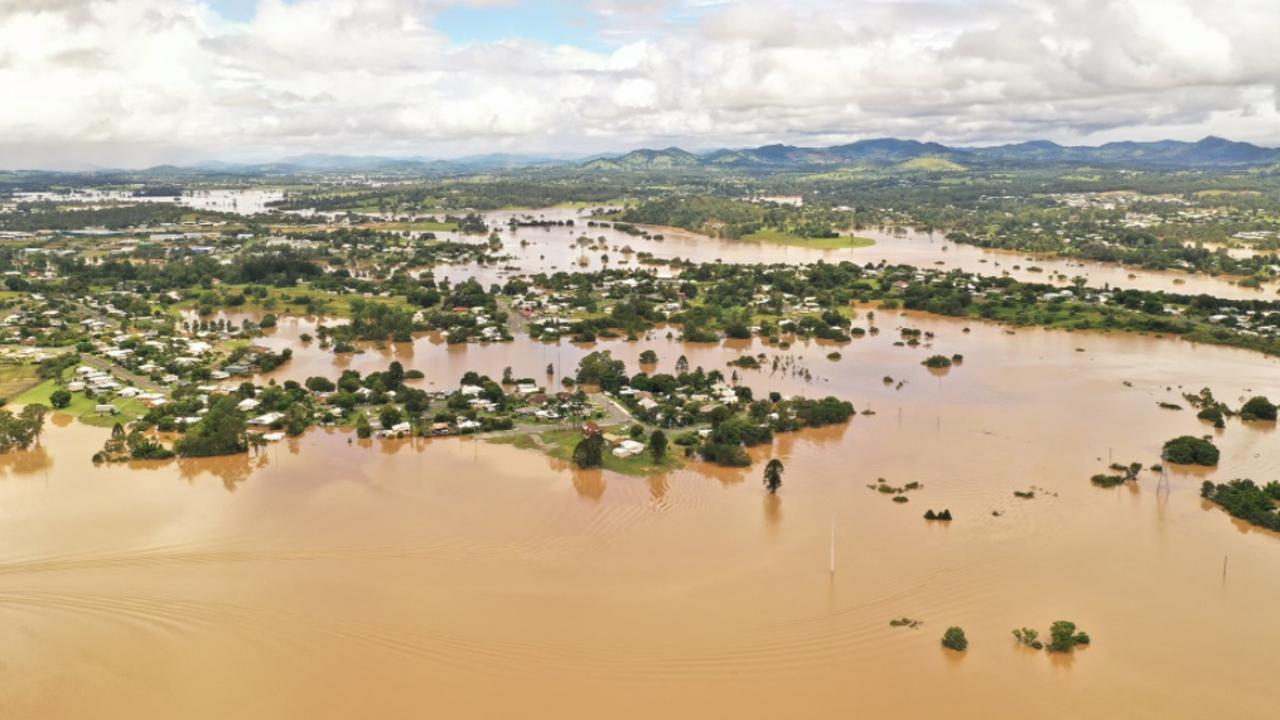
335	305
931	164
83	408
778	237
560	443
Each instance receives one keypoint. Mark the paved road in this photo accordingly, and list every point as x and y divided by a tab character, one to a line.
105	365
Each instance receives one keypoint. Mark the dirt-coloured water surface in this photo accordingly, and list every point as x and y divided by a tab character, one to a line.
334	578
555	248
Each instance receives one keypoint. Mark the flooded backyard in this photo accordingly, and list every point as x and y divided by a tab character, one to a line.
330	577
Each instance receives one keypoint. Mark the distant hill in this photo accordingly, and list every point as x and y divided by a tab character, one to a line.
912	155
889	154
647	160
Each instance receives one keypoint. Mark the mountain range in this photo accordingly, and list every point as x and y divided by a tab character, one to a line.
888	153
1211	152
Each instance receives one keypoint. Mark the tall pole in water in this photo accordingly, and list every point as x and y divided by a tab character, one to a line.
833	545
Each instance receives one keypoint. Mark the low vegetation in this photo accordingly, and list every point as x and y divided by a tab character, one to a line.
1189	450
955	639
1063	637
1246	500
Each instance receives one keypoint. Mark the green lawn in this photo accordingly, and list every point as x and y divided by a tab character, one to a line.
334	304
83	408
560	444
778	237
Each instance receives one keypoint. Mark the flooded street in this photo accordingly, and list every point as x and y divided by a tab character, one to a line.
335	578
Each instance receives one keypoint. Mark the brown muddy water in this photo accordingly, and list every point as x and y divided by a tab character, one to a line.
537	249
456	578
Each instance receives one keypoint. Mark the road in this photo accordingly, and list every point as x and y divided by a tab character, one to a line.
105	365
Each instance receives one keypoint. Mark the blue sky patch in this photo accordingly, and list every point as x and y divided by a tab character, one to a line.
553	23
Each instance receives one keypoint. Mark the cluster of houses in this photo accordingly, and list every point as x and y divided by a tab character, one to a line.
486	329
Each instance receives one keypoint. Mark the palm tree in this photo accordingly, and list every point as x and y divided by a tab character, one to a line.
773	476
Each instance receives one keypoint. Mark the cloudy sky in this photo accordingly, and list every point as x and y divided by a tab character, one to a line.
140	82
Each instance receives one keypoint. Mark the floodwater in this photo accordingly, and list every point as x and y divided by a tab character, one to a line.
551	249
245	201
454	578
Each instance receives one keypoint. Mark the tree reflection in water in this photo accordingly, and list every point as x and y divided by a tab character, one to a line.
589	483
230	469
25	462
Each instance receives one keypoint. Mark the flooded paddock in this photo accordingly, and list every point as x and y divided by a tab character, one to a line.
554	248
331	578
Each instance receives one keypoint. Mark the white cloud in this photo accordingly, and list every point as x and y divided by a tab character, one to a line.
145	81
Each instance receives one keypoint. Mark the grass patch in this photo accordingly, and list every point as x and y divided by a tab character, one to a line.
331	304
778	237
930	163
560	443
83	408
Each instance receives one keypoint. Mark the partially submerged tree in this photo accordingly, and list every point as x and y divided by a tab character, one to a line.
954	639
773	476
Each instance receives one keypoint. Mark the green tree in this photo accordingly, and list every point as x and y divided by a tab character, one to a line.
60	398
390	416
599	368
220	432
33	417
1063	637
296	419
1188	450
1029	637
1258	408
773	475
589	452
363	428
658	445
954	638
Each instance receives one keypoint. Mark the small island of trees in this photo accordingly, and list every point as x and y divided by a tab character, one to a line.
1063	637
1246	500
954	639
937	362
1189	450
1258	408
1126	473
